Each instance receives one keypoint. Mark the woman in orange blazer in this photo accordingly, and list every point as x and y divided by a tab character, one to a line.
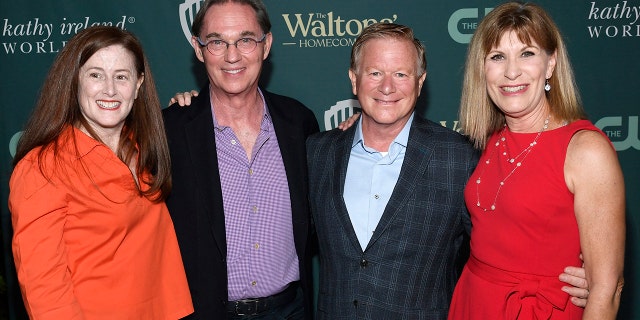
93	238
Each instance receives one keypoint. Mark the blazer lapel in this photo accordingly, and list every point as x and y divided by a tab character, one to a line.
341	158
416	159
204	157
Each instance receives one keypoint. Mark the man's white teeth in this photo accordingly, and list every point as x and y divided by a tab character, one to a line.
233	71
513	89
108	105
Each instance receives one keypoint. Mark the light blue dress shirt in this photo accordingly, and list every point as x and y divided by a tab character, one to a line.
371	178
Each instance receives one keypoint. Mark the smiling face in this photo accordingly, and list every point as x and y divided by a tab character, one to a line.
232	72
515	74
107	87
386	83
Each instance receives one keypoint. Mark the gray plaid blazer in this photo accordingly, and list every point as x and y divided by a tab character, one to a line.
411	264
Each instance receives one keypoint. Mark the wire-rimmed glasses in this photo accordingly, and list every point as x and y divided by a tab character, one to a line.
218	47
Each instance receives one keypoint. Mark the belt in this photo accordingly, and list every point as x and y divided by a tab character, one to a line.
254	306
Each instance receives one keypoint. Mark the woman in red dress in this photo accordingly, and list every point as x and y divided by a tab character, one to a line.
548	185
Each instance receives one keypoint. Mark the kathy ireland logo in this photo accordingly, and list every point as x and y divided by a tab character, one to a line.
326	30
36	36
619	20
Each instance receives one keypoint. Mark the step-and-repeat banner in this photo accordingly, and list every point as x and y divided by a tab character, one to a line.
309	61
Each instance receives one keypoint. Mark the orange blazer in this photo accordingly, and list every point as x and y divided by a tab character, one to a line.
86	245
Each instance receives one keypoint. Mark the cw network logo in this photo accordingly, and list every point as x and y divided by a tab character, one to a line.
187	11
463	22
613	128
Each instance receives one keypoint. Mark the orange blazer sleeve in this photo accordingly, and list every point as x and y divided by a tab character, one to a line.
38	208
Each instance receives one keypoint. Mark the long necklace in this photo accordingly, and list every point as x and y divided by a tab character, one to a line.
518	162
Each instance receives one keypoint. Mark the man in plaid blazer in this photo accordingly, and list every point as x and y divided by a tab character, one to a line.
396	260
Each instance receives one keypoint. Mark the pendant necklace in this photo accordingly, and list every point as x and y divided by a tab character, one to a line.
517	161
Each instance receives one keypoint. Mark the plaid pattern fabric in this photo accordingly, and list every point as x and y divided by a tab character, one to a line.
408	270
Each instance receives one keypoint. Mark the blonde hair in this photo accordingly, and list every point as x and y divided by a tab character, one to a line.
383	30
479	116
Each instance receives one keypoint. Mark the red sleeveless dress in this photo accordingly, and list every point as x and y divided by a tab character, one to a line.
520	247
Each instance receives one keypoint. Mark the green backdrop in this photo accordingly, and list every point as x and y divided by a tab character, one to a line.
309	61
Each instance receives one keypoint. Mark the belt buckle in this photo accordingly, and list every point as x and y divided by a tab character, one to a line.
247	301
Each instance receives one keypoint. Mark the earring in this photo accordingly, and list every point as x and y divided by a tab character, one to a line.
547	86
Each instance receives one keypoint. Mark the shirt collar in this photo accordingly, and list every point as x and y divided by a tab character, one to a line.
84	143
402	138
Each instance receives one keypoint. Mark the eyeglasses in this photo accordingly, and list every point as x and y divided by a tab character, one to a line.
217	47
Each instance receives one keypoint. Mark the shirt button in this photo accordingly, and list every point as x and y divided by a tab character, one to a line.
250	171
364	263
257	245
254	209
355	303
233	142
253	283
376	196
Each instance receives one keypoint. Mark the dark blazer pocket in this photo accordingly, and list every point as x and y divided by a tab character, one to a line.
324	311
325	304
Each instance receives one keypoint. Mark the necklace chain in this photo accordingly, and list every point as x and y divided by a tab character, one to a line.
524	153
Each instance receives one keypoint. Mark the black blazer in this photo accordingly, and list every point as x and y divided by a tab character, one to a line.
410	266
195	203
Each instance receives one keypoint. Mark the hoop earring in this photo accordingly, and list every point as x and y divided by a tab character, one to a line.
547	86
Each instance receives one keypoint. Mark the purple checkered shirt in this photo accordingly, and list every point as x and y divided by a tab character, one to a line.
261	254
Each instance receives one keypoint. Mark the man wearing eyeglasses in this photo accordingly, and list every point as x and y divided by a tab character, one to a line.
239	200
